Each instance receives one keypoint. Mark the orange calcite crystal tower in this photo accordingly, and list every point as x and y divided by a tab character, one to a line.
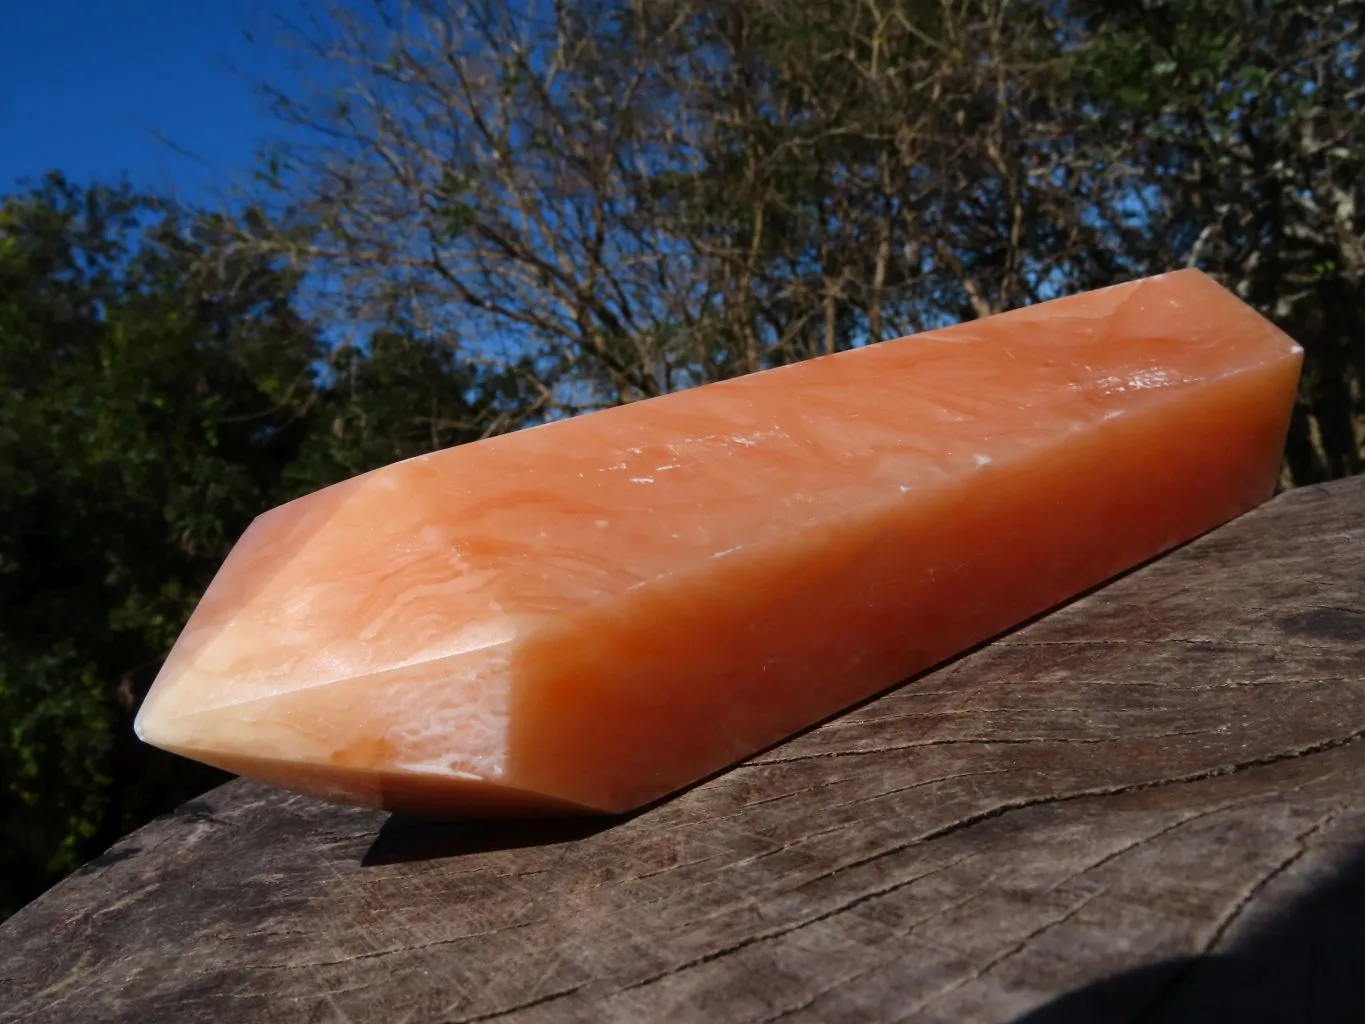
591	614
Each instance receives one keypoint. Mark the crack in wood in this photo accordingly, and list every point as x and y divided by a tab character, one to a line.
1014	949
530	1004
1230	917
777	933
1193	641
1098	791
978	741
379	953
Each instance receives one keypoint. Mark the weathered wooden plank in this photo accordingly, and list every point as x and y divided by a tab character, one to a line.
1147	805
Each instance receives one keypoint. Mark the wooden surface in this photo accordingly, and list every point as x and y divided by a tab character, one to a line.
1148	806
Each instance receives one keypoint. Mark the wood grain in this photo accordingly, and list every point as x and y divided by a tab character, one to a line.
1148	805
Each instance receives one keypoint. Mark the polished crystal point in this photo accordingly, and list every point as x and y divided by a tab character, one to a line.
591	614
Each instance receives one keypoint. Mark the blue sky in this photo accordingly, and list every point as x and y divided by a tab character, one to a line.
91	87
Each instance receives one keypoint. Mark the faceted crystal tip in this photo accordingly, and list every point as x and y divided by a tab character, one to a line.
343	650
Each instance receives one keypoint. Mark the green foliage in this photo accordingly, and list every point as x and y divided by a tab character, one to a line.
159	393
1245	119
128	460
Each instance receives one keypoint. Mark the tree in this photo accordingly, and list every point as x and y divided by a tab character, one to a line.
635	197
640	196
145	420
1242	123
159	391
